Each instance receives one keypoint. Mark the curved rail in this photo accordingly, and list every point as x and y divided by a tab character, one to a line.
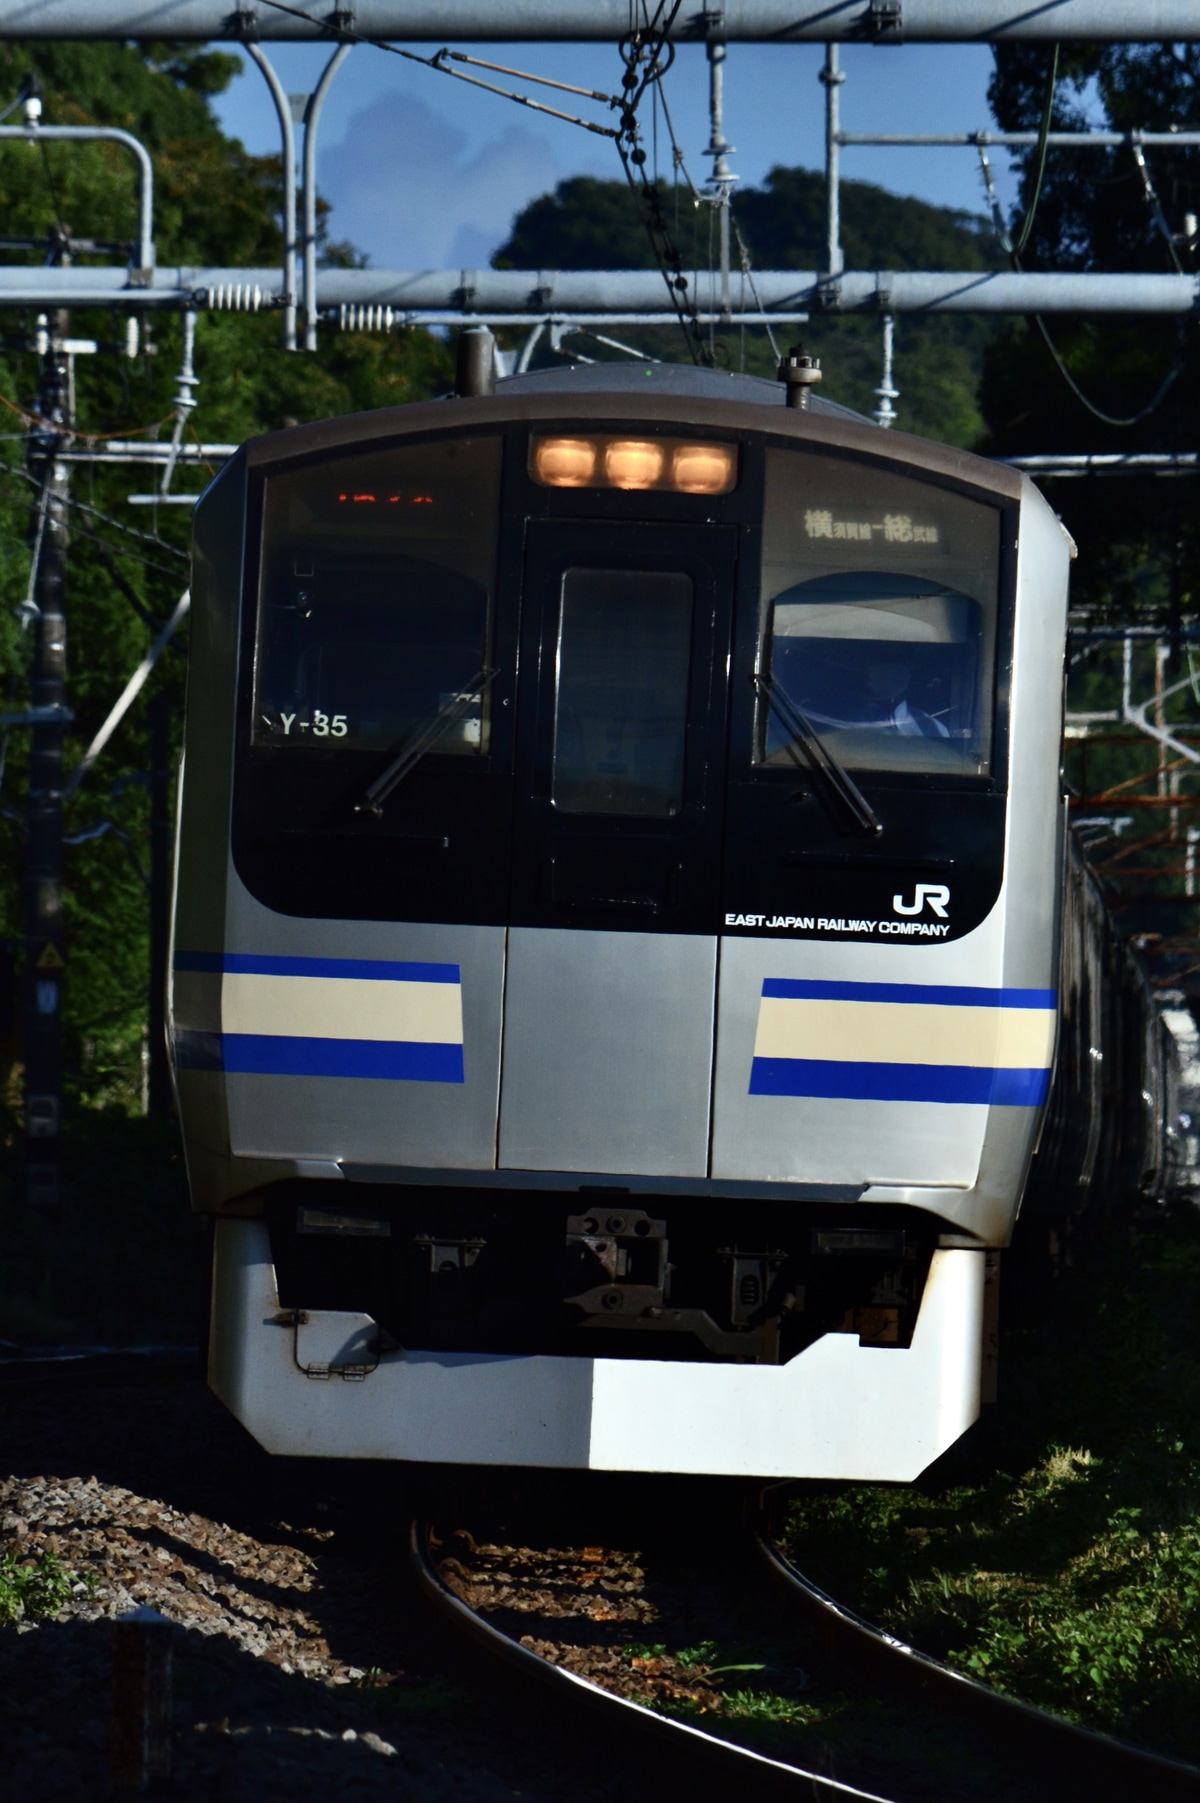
732	1770
22	1369
1083	1760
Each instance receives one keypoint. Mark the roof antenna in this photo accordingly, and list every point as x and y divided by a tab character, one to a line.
801	373
475	373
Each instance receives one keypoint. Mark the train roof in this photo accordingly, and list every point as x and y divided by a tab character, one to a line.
671	394
682	379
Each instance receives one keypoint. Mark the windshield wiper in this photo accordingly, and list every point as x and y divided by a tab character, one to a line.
803	734
456	707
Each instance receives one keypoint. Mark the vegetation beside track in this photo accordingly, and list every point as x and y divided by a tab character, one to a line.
1055	1553
123	1261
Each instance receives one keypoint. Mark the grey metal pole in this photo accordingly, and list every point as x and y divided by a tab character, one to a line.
608	21
103	134
468	295
312	114
288	137
42	997
719	149
158	1097
832	77
1015	140
885	414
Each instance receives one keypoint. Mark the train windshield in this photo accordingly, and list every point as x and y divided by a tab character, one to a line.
878	616
375	605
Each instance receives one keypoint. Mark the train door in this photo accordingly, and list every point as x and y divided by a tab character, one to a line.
610	987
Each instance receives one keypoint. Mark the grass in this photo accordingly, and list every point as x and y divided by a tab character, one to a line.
36	1589
828	1728
1056	1552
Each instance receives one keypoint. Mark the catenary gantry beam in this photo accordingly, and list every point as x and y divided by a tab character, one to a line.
497	21
525	293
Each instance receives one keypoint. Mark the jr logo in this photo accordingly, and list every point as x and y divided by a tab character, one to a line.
936	894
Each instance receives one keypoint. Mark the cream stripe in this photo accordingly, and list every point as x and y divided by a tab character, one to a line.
905	1033
342	1008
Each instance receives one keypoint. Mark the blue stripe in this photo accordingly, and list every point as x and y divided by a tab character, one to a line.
941	995
379	970
277	1055
830	1078
196	1051
406	1061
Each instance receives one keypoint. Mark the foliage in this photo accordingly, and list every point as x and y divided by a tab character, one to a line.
1138	538
588	224
214	204
34	1589
123	1262
1056	1553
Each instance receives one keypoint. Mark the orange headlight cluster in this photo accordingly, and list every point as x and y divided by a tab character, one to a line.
677	464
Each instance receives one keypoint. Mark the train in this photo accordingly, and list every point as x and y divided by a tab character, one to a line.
616	984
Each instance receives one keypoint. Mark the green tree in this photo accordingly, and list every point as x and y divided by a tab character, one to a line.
1138	539
215	204
587	223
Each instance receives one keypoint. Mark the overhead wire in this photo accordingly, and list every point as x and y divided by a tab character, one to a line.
346	34
72	501
14	104
1014	251
652	31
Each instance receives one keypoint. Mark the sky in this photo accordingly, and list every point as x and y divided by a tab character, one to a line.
425	172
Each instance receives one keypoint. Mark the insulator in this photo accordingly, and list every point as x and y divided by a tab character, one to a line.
366	319
235	297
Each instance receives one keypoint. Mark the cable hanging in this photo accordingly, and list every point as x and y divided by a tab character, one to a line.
438	61
1014	252
647	54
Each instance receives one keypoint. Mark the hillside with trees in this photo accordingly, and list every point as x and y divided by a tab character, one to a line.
215	204
1131	383
587	223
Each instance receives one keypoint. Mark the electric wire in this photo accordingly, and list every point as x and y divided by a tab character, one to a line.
55	203
1013	251
89	438
347	35
1042	147
650	45
14	104
148	538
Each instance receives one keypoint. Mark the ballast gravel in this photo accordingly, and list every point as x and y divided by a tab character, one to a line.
302	1664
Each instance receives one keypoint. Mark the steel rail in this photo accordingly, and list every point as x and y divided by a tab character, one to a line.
732	1769
526	294
57	1366
1094	1764
608	21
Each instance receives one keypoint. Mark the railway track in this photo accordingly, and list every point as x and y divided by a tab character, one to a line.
1071	1758
712	1766
1051	1756
1044	1755
66	1365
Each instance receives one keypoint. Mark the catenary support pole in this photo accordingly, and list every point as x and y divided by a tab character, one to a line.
158	1088
469	294
287	137
43	901
608	21
722	176
312	114
33	129
832	77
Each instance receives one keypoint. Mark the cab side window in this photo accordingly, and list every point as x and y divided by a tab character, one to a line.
877	617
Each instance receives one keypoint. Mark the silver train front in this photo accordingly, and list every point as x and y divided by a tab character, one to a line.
626	1074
